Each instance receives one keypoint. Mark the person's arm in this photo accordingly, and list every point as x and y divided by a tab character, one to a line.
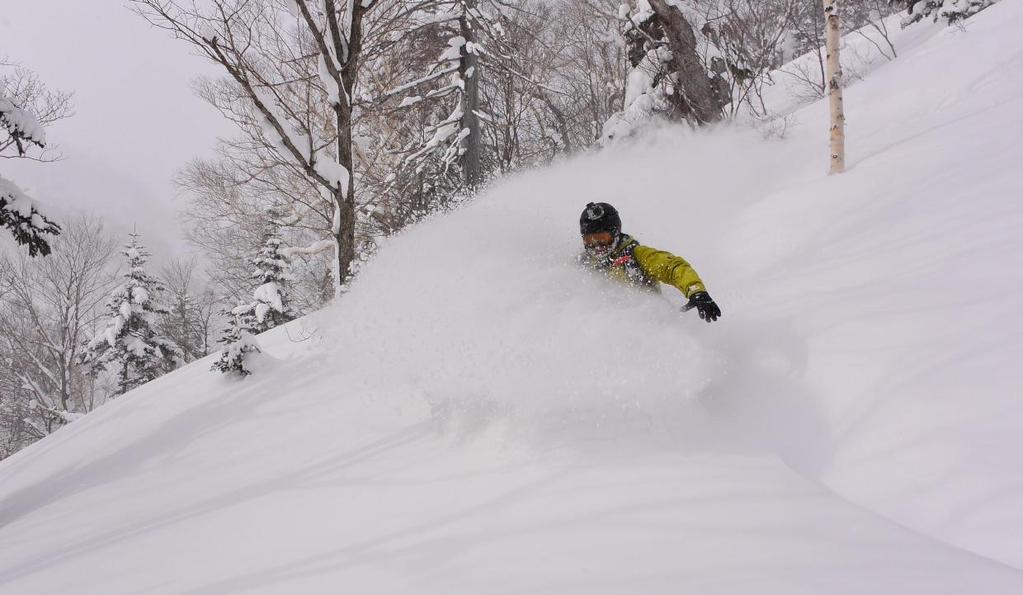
669	269
673	270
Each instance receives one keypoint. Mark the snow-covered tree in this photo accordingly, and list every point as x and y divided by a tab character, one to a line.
951	11
26	107
270	305
668	77
238	342
467	32
292	68
131	342
48	307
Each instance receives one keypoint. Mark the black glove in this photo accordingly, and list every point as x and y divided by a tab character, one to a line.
704	305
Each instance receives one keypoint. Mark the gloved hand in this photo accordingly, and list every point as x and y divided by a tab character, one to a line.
704	305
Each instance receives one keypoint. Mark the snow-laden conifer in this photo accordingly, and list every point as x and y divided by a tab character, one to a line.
271	303
951	11
21	130
130	342
238	343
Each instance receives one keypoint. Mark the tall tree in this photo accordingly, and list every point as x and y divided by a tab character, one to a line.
834	74
131	342
694	96
453	80
252	41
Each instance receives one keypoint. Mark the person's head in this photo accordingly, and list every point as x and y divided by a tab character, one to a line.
600	227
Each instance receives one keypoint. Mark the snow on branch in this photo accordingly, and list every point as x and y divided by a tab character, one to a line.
278	130
314	248
18	213
21	125
420	81
332	59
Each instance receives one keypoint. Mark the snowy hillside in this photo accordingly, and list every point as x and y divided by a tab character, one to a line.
479	416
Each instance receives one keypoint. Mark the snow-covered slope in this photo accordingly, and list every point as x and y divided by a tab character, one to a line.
479	416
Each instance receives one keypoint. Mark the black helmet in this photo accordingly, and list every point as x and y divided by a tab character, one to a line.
598	217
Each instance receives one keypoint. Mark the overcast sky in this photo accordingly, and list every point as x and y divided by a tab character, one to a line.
136	121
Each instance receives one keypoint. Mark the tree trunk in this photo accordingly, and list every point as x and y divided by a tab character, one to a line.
469	69
344	202
344	198
694	97
834	86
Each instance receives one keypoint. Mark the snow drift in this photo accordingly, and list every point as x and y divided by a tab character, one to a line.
480	416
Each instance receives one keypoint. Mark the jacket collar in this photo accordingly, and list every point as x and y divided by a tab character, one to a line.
623	245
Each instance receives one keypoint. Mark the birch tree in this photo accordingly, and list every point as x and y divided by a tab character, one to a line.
833	37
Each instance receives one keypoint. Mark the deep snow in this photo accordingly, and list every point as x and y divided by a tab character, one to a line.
480	416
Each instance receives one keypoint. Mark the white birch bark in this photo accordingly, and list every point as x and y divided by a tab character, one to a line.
833	36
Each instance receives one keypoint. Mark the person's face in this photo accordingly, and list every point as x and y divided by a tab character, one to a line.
598	243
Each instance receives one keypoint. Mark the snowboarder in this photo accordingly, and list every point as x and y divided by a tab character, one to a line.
622	258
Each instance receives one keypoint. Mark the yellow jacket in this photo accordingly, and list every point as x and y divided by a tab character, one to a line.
630	262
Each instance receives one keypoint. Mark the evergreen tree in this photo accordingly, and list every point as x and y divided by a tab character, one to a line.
952	11
238	342
20	131
130	342
271	305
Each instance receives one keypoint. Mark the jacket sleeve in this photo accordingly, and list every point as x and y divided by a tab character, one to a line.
669	269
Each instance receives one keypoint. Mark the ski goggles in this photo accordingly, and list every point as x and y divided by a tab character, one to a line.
601	239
